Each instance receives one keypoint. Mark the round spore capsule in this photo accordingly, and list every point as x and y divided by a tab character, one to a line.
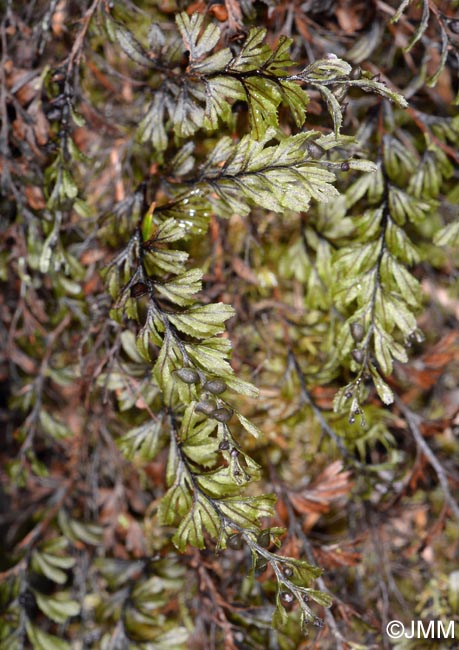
286	597
357	355
287	571
264	538
205	406
235	541
260	566
222	414
215	386
357	331
188	375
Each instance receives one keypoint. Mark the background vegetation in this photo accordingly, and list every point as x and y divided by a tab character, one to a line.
229	309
